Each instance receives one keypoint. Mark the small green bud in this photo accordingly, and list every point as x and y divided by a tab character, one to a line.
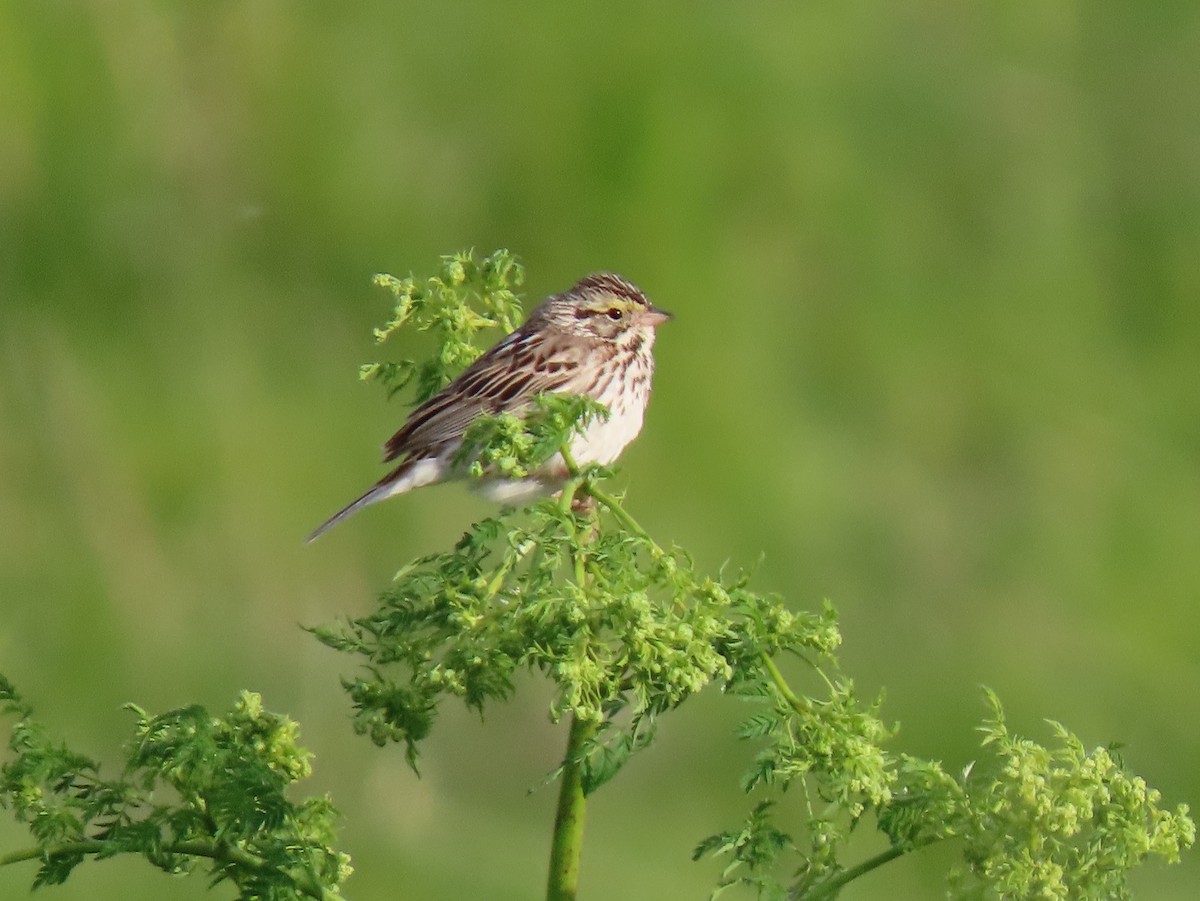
454	273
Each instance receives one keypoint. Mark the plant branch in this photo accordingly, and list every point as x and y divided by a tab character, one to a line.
797	703
567	844
504	569
217	851
615	507
834	884
569	460
611	503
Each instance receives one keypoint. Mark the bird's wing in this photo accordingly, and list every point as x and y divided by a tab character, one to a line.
504	379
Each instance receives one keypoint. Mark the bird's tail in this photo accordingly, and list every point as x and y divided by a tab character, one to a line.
374	493
405	477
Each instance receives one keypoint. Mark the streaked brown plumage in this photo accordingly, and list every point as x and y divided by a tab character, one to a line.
595	339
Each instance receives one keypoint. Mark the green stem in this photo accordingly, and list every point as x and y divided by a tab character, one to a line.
831	886
506	567
616	509
797	703
601	496
219	852
572	466
567	844
568	498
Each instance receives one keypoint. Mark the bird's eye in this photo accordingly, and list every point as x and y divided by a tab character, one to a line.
614	314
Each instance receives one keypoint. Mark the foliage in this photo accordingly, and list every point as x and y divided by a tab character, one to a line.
512	447
1034	822
571	588
625	630
619	625
227	777
466	296
1060	822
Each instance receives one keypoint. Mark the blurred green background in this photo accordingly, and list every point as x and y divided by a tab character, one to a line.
935	268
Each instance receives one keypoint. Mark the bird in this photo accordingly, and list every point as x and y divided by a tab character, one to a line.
595	339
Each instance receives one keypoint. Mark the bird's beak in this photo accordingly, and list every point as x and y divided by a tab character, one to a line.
654	316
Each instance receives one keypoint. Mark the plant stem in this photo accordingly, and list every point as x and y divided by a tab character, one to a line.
568	499
219	852
615	507
505	568
588	485
566	845
831	886
567	842
569	460
797	703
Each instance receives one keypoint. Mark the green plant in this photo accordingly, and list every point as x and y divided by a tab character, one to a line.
226	777
625	630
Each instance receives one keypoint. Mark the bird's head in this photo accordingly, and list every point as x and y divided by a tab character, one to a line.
603	306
